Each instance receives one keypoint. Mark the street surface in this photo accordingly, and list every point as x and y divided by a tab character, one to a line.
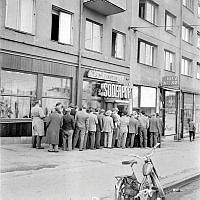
33	174
188	192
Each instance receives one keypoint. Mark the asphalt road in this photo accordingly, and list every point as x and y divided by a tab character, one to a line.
188	192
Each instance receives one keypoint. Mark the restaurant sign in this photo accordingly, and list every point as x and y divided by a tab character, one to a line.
108	76
169	81
115	91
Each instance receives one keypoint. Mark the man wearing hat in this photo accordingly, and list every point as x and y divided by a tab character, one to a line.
68	129
116	119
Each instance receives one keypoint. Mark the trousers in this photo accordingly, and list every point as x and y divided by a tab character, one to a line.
67	140
91	139
130	139
79	134
122	139
108	139
143	137
36	141
153	139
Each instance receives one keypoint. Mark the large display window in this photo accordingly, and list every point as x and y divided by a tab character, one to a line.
17	91
55	89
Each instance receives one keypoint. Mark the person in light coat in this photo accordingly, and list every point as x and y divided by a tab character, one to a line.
153	129
108	129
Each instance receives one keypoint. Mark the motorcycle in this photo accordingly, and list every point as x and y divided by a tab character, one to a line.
128	187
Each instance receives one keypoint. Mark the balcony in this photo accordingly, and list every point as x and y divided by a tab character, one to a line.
106	7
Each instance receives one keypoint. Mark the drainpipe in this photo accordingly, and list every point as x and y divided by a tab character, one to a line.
179	106
79	78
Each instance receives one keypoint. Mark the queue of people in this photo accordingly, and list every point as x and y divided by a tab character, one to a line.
70	128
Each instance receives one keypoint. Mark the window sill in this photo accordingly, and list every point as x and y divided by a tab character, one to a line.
187	42
170	32
190	9
122	59
186	75
61	43
169	71
90	50
147	65
148	22
18	31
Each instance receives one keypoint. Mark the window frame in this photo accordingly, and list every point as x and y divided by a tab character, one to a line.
153	52
189	4
144	15
173	22
172	68
18	20
56	11
190	33
115	45
101	35
198	71
183	68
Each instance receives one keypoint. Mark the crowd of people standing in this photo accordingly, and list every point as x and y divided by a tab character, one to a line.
89	128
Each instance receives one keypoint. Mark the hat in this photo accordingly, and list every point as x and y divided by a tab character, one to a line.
68	109
108	112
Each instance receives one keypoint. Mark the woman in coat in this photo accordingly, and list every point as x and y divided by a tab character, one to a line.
37	115
54	124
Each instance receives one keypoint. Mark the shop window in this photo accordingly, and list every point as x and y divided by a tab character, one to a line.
147	11
188	4
118	45
20	15
17	91
198	70
187	33
61	29
93	36
148	97
169	60
169	22
146	53
135	95
186	67
91	96
55	90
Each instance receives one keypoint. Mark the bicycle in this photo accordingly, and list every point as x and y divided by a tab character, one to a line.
128	187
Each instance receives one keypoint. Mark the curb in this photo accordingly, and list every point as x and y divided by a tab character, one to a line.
178	184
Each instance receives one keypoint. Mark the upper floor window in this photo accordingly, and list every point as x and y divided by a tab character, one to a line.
188	4
169	22
146	53
198	9
198	70
169	60
186	67
147	11
61	28
198	39
187	33
93	36
20	15
118	45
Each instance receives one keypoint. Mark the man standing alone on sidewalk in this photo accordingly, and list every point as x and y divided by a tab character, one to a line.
153	129
191	130
81	119
143	126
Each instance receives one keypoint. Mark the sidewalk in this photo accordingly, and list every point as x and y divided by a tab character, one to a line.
28	173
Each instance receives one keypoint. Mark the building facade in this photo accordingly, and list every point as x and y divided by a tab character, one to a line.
134	55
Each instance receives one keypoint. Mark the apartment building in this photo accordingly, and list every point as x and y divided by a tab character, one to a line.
134	55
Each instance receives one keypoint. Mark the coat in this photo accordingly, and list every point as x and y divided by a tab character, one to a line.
133	125
81	119
54	123
143	122
107	124
92	122
123	124
153	125
37	123
160	125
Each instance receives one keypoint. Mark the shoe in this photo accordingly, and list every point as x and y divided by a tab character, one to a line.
50	150
56	151
80	149
39	147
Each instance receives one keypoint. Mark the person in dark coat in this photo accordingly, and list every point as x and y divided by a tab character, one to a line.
68	129
54	123
153	129
100	117
160	128
192	129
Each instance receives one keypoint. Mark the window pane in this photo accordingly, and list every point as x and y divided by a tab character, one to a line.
12	13
96	37
88	35
65	28
120	46
55	27
26	18
56	87
149	13
148	97
16	83
169	23
142	53
166	60
15	107
135	97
